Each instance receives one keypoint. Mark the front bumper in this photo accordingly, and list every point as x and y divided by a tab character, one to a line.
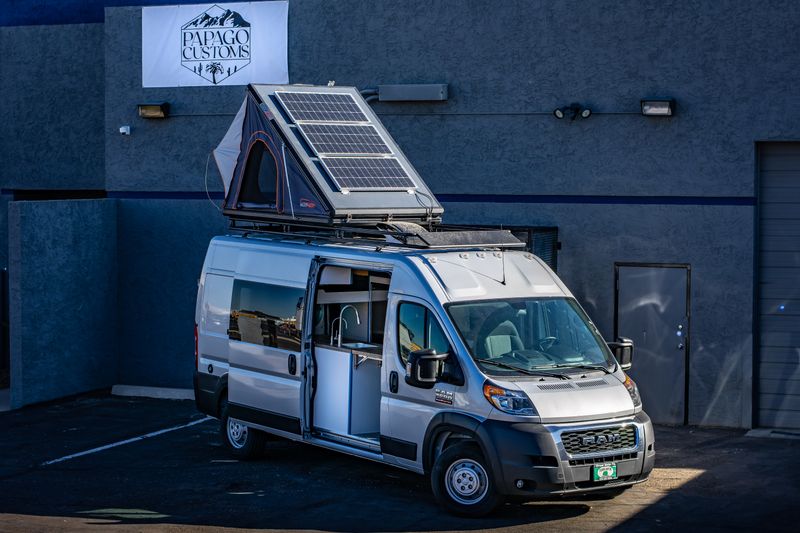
535	455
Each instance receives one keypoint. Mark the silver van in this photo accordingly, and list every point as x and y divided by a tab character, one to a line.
472	364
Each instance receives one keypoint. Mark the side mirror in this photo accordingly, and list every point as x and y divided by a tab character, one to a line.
424	368
623	352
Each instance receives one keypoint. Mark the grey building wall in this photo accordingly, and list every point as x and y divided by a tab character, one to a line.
51	110
162	244
621	187
63	298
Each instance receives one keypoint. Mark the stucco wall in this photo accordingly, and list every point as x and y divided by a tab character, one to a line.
620	187
162	244
51	109
63	298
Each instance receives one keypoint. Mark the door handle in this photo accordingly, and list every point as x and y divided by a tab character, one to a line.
393	381
292	364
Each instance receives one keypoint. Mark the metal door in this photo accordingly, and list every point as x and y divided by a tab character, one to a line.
652	309
778	333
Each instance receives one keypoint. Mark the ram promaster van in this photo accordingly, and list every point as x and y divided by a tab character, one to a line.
449	352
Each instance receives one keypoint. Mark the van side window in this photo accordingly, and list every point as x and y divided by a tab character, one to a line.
419	330
265	314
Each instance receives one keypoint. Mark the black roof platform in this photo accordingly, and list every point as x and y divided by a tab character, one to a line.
382	235
303	154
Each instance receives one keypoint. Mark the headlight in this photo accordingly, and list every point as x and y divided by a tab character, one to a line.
509	401
633	390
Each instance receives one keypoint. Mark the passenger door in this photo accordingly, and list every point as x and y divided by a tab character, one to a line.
408	410
265	379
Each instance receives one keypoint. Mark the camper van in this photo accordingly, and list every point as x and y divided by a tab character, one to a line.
339	312
474	366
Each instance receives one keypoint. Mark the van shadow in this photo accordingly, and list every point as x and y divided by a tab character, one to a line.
300	487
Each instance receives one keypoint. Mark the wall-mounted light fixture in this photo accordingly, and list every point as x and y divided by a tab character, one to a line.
572	111
658	108
153	110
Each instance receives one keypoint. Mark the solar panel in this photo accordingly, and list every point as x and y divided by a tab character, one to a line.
350	139
321	107
368	173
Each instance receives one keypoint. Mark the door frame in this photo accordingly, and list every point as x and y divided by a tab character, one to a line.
687	339
318	263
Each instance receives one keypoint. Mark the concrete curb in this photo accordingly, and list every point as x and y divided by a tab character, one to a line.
162	393
773	434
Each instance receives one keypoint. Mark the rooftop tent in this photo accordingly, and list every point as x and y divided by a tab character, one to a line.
317	154
259	172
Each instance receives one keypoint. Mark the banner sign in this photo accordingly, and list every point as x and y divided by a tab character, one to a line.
215	44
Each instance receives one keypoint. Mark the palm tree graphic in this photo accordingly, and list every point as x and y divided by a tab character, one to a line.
214	69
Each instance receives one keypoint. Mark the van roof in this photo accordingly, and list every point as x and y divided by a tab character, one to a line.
462	274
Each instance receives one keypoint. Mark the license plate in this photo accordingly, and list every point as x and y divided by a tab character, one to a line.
604	472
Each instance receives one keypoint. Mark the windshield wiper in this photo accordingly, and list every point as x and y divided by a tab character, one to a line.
523	370
585	367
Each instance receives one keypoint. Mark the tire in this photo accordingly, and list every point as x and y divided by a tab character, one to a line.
242	442
463	482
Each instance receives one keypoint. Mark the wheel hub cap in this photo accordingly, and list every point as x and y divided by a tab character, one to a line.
466	482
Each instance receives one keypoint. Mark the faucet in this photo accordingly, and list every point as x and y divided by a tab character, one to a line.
333	330
341	320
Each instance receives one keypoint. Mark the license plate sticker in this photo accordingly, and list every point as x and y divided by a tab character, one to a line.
604	472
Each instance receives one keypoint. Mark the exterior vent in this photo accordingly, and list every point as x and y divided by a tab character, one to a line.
593	383
555	386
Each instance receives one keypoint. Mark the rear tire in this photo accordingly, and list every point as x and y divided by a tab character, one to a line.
463	482
242	441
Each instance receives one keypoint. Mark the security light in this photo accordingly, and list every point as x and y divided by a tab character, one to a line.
572	111
658	108
154	110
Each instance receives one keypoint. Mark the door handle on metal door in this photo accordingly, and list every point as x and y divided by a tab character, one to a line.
292	364
393	381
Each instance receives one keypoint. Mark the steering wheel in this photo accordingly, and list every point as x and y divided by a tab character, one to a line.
546	342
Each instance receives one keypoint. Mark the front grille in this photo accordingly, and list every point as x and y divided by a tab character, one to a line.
604	459
599	440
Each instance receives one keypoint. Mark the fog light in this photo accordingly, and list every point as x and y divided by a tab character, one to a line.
520	484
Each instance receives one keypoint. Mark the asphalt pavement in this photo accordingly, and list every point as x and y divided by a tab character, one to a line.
180	478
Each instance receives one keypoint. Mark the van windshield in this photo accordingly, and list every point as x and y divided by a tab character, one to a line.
510	337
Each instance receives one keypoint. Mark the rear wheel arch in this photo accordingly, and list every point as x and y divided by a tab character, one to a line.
221	393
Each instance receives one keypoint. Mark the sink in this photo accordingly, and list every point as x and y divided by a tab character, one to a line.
357	345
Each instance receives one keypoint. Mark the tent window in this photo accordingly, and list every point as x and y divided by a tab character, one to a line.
260	180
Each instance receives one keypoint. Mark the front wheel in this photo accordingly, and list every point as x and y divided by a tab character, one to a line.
462	481
242	441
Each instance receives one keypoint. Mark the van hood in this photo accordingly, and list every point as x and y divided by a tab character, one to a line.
578	399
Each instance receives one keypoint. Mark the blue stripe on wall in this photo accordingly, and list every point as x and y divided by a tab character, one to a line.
595	199
495	198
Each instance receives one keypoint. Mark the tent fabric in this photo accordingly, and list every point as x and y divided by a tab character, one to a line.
251	142
227	152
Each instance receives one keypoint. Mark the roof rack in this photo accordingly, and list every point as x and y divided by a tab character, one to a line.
388	234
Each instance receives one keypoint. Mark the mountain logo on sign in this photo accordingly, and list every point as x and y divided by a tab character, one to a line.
215	44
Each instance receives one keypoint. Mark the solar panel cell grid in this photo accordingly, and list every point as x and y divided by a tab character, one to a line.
321	107
344	139
368	173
